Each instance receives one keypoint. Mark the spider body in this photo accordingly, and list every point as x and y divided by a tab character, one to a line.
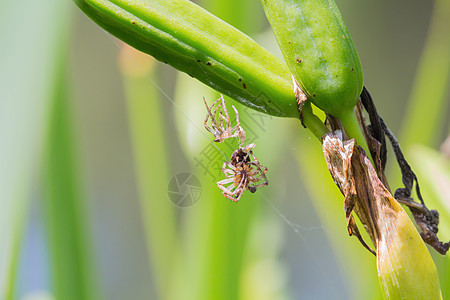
243	172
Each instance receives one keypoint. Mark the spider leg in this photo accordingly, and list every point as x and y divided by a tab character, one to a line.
222	121
216	130
229	165
217	109
253	157
228	172
243	182
221	184
239	131
226	116
263	177
231	197
241	135
261	170
209	114
225	181
237	193
218	119
237	115
227	192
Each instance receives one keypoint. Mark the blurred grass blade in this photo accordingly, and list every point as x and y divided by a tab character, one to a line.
191	272
67	221
433	169
16	245
151	158
428	102
26	80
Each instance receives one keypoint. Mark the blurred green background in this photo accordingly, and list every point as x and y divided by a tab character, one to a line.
91	134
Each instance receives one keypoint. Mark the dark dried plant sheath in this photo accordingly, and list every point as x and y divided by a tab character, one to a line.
338	156
427	220
358	181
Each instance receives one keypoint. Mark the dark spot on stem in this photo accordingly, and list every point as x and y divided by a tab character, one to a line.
198	60
240	79
270	101
314	95
208	63
351	69
244	85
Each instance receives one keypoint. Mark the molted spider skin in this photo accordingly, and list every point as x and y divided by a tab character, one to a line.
220	122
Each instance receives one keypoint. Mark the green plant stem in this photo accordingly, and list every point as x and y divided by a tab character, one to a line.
313	123
351	126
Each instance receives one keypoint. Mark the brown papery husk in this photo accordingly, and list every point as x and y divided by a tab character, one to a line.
405	267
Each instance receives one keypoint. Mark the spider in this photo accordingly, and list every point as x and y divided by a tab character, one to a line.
221	123
244	172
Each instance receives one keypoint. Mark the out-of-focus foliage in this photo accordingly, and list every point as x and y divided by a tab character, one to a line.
132	135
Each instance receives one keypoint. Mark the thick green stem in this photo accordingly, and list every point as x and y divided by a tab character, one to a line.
313	123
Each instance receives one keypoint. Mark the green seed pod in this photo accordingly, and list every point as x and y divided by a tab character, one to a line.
185	36
319	52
